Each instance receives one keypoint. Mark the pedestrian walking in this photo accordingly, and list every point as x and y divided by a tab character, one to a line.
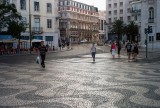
129	50
93	51
60	46
42	52
68	44
136	52
119	46
132	48
113	49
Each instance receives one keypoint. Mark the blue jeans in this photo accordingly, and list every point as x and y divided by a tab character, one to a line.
93	54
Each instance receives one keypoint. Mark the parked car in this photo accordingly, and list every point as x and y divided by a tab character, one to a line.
83	41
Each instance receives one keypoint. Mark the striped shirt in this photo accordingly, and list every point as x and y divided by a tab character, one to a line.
42	50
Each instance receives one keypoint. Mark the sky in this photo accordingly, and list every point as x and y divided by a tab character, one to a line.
101	4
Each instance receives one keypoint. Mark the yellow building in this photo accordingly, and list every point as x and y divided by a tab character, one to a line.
78	21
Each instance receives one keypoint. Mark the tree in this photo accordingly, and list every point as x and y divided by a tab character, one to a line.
118	28
132	31
8	12
15	28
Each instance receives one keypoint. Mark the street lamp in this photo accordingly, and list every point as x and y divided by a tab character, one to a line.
30	32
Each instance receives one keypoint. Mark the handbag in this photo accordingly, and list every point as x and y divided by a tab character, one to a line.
38	60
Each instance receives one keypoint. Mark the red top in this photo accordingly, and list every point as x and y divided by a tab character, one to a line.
113	46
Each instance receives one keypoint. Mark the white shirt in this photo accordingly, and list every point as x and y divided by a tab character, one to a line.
93	49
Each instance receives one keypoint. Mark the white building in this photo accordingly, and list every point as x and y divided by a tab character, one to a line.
145	13
44	23
117	9
150	16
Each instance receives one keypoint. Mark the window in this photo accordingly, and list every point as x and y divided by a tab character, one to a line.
65	3
121	4
110	12
109	5
151	38
151	13
49	23
110	20
115	12
115	18
115	5
36	6
128	10
121	18
129	18
23	4
135	18
38	37
49	38
25	37
61	3
121	11
49	8
158	36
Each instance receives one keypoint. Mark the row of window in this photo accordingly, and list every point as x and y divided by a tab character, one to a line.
121	18
47	38
77	10
79	5
115	12
76	16
37	22
78	26
36	6
115	5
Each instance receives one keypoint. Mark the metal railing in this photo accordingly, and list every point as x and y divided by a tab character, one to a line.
37	30
151	20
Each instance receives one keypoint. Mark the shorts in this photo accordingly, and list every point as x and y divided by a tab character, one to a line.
113	51
93	54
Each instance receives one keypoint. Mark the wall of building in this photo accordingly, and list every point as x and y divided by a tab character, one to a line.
122	14
43	16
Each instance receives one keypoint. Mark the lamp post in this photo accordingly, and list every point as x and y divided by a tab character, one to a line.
30	33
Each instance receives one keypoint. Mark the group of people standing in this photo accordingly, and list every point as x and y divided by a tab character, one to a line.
130	47
63	43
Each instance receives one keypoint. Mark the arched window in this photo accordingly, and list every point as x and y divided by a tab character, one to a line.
151	13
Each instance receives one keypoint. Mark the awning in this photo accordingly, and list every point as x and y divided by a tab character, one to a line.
37	40
12	41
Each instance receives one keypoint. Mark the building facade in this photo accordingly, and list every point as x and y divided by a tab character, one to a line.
145	13
44	24
150	16
102	27
78	21
116	9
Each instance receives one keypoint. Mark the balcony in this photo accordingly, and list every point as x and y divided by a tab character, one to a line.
37	30
151	20
136	11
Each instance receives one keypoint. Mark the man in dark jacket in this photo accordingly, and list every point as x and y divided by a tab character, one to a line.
42	51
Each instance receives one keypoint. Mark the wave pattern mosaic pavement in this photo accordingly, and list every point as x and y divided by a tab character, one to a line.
79	83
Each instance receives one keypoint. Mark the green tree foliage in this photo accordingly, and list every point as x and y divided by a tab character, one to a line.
15	28
132	30
8	12
118	27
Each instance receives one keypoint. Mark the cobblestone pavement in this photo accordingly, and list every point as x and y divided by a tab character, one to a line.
77	82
